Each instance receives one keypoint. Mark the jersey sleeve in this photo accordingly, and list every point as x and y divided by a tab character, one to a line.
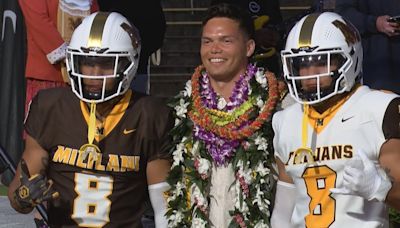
276	123
34	124
158	121
43	116
391	120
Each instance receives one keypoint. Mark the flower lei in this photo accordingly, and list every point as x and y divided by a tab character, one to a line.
244	126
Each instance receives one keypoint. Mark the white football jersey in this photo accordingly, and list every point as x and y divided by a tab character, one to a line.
356	125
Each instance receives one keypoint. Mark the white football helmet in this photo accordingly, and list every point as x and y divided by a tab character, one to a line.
322	39
107	40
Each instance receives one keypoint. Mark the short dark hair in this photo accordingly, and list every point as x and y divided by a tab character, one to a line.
233	12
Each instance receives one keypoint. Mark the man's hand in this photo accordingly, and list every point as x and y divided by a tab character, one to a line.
389	28
362	178
33	189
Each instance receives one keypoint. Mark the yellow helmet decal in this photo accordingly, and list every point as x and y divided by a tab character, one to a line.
307	29
96	31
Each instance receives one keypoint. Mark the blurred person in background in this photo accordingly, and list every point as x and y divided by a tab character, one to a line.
380	38
149	19
49	25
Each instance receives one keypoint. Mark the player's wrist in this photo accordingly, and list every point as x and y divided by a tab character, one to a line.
383	187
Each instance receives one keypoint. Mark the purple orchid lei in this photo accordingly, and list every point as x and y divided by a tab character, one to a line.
222	149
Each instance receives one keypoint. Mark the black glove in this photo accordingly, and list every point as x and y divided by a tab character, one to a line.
33	190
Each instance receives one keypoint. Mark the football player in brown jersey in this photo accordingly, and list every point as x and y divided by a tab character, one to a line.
96	151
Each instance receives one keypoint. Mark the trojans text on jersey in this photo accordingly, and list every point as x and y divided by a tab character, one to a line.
326	153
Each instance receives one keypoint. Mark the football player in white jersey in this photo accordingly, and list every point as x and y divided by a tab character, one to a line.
334	145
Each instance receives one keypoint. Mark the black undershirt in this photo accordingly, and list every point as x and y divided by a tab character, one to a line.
391	120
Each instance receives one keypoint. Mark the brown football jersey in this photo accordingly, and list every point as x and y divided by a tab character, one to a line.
106	189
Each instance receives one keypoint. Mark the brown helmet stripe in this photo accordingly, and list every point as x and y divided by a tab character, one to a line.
307	29
96	31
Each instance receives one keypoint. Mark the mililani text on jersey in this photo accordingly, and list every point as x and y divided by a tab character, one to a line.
116	163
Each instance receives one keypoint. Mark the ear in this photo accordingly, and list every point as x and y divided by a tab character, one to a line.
250	46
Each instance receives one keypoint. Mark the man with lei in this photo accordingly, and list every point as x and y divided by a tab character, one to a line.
221	173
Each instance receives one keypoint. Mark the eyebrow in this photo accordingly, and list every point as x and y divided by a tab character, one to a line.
219	37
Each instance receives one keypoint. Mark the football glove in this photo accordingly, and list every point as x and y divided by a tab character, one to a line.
33	189
361	177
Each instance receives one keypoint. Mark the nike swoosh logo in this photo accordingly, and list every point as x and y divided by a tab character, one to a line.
346	119
128	131
13	17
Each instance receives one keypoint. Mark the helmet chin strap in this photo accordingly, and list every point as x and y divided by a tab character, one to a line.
92	95
95	96
308	96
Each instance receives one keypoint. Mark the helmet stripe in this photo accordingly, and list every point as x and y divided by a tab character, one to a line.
307	29
96	31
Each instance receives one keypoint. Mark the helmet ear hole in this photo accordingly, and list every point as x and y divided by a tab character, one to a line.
352	52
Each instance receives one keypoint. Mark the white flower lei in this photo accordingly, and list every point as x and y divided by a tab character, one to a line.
190	173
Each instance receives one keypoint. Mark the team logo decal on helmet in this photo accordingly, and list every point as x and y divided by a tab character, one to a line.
349	31
133	34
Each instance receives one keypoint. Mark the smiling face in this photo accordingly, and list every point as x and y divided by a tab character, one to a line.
225	49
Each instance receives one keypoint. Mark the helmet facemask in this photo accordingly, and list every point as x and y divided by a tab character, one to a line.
330	63
111	84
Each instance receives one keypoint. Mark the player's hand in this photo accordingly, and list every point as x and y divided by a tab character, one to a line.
361	177
33	189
